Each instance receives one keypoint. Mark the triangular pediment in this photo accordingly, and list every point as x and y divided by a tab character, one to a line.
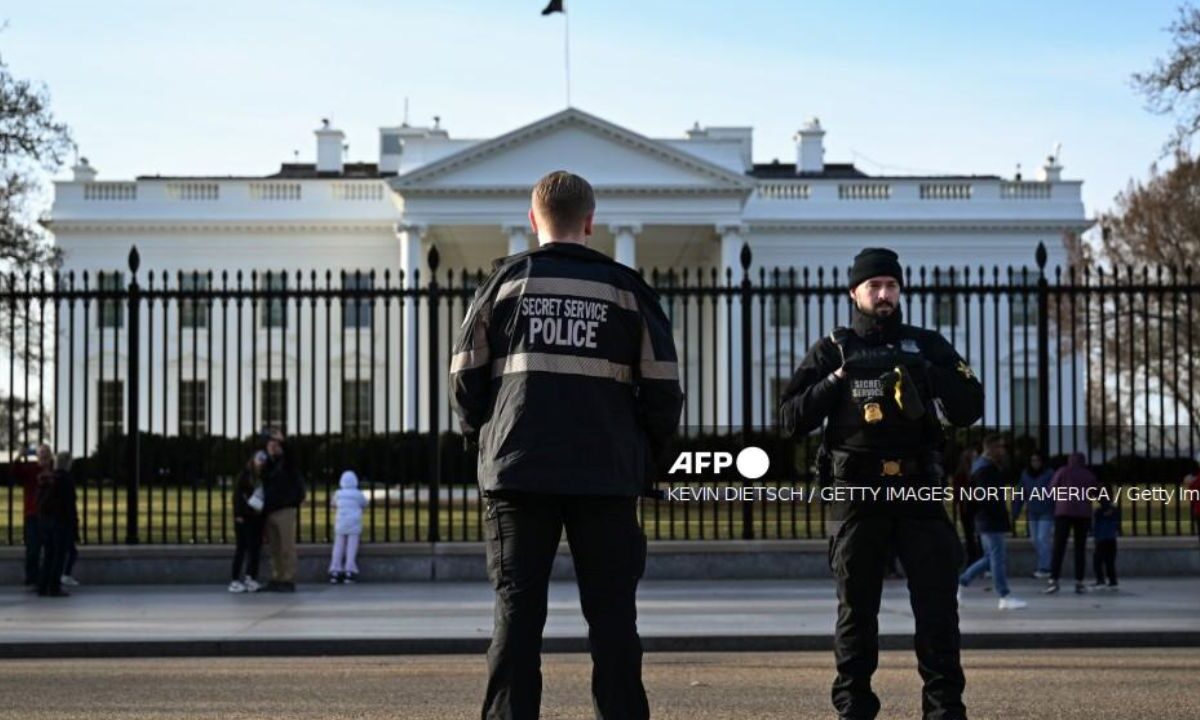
609	156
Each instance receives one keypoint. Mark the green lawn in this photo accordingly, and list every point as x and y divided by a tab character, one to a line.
177	516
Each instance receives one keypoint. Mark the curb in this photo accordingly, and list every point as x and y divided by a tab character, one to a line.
478	646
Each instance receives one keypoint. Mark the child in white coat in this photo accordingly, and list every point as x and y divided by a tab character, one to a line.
349	502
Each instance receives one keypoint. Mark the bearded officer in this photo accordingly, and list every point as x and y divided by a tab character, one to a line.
879	387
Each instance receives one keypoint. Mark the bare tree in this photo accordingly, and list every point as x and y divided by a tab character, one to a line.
1170	88
32	141
22	423
1152	239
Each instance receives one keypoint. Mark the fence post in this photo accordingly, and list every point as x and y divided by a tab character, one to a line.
435	372
1043	351
747	377
133	455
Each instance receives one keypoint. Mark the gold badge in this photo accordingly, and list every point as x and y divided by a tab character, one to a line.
872	412
965	369
891	467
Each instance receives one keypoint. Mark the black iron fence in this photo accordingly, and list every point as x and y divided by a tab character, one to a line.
158	383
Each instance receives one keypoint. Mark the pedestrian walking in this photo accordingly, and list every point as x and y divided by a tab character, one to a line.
992	519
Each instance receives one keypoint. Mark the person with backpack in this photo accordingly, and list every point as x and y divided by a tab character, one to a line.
993	523
283	494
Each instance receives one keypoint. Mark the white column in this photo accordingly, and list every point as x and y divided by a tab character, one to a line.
410	236
729	329
518	238
625	242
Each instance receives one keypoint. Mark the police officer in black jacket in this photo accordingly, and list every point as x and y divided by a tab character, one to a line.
565	374
879	387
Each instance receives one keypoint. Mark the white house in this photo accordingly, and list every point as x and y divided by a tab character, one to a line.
665	203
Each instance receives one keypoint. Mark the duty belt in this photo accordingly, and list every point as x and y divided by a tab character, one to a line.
865	467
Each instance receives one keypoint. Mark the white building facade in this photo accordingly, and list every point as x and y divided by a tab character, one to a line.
690	202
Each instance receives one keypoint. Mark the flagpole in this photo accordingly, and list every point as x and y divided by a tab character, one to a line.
567	53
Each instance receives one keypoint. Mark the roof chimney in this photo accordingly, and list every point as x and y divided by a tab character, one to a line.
83	171
810	148
329	148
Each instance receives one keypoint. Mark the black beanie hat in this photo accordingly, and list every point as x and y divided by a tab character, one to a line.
872	262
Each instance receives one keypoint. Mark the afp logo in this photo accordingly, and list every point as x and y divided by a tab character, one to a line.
751	463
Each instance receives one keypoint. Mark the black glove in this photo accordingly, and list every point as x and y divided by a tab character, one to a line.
877	359
899	386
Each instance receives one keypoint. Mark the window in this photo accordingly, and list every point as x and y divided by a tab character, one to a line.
193	408
1024	304
356	407
193	312
273	401
275	313
356	310
946	307
112	310
1024	403
112	412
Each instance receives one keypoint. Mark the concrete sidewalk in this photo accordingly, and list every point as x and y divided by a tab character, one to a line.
687	560
422	617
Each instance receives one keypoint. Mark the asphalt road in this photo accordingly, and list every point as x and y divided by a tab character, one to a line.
1061	684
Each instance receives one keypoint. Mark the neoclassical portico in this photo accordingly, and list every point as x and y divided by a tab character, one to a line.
657	207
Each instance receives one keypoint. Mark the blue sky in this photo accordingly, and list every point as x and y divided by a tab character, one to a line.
966	87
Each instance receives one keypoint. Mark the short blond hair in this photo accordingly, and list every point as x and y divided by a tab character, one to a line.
563	200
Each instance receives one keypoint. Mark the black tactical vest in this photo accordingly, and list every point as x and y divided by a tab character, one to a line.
870	418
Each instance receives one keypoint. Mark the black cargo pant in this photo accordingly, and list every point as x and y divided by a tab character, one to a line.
928	547
608	547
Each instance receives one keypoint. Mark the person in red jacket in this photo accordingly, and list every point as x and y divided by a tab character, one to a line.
56	517
27	474
1192	482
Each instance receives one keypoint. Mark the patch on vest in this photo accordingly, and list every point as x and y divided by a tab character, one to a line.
866	388
966	371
